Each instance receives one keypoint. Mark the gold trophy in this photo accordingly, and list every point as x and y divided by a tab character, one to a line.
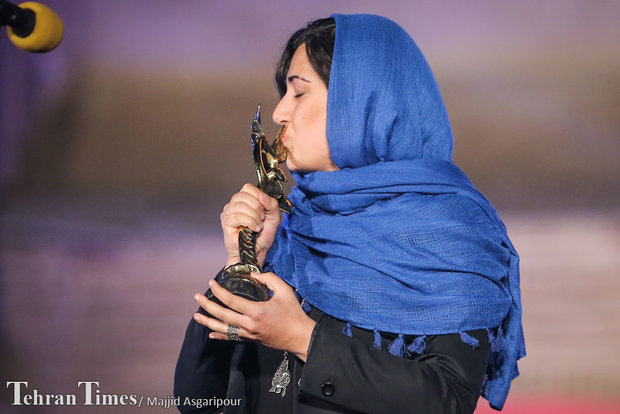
236	278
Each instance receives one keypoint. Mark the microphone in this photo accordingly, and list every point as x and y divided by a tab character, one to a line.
32	26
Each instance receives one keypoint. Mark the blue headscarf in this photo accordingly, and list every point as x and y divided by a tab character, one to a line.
398	239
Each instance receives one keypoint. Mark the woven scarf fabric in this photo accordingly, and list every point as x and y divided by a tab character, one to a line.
398	239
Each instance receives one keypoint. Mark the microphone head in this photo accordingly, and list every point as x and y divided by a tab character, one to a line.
47	33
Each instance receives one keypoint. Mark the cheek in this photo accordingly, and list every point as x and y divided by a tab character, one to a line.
316	120
309	149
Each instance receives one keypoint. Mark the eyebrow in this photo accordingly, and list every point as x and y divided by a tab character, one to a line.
293	77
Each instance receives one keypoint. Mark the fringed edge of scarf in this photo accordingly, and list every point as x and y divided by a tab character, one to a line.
377	342
469	340
305	306
496	340
418	345
398	347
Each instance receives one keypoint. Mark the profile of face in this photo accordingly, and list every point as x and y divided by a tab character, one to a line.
303	109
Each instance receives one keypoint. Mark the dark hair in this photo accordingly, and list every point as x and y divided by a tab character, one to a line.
319	37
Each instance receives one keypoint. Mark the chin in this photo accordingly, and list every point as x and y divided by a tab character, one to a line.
293	168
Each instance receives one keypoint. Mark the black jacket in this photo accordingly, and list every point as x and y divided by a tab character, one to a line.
341	375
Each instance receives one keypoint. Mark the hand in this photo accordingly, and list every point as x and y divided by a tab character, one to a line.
279	323
255	210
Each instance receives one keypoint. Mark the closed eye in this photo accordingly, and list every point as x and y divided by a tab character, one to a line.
299	94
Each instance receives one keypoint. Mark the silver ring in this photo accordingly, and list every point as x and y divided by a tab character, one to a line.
232	332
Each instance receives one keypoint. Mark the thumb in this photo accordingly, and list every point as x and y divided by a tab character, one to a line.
270	204
269	279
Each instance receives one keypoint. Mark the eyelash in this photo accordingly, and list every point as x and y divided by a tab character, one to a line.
298	95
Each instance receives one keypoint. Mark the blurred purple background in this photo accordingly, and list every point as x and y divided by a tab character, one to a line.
119	148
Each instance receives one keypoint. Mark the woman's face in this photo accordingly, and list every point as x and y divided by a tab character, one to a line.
304	111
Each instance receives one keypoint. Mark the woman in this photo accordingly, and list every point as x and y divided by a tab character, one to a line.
408	283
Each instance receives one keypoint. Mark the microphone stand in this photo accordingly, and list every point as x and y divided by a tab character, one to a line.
31	26
22	21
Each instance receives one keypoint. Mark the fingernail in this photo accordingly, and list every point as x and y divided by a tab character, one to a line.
262	215
197	297
210	283
197	317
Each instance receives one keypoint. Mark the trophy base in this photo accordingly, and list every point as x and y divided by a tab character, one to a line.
241	284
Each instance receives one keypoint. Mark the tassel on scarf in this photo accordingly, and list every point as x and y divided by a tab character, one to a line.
377	342
492	340
346	331
496	341
397	347
470	340
418	345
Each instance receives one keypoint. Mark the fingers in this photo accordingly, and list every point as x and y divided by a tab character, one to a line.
217	311
279	323
219	329
219	318
271	280
243	210
249	197
240	214
211	323
269	204
222	336
237	304
252	190
249	208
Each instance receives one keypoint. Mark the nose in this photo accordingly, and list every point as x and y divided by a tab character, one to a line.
280	113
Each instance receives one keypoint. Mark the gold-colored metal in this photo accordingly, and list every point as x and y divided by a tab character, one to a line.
266	161
267	157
